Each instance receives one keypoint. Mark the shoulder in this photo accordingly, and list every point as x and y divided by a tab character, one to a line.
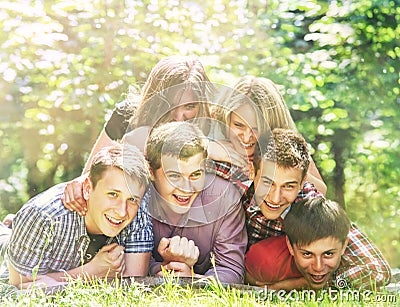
215	185
220	194
47	204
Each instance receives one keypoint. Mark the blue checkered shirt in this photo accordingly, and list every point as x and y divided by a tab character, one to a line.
48	236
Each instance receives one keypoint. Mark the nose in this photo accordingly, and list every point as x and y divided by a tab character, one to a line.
247	135
121	208
318	264
274	195
185	185
179	114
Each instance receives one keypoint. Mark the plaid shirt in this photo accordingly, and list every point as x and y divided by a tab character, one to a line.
230	172
361	263
48	236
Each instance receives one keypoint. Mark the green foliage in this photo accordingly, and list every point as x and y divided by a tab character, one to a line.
64	65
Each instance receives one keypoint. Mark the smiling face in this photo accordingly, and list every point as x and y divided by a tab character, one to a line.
243	129
318	260
185	107
113	203
276	188
178	181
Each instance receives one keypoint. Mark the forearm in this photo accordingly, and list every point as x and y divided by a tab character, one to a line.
136	264
102	141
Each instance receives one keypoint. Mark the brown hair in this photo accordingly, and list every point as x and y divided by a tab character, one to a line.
167	82
180	139
286	147
316	218
126	157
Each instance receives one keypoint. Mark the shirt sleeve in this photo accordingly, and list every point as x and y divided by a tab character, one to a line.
229	172
139	234
362	265
31	243
117	125
230	245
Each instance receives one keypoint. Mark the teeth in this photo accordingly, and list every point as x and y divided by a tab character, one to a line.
113	220
273	206
247	145
318	277
182	198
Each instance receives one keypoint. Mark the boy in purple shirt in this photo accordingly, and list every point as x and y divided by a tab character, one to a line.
196	216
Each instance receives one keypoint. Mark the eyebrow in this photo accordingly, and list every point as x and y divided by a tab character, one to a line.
178	172
270	179
119	191
329	250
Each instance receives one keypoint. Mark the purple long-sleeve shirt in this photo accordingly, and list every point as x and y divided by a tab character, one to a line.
216	224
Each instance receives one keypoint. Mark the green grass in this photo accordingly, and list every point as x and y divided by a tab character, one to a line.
174	293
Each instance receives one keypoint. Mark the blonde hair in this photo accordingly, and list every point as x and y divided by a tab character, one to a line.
263	94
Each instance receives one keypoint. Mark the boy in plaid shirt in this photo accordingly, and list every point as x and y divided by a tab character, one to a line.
49	242
281	165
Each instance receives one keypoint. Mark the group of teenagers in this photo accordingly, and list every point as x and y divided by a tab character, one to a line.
197	180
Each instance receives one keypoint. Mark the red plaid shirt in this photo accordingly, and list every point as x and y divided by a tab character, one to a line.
362	263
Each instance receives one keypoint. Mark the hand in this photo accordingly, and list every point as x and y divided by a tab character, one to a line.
73	196
178	249
224	151
109	261
8	220
178	269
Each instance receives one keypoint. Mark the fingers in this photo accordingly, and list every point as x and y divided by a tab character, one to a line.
163	245
8	219
178	268
183	250
73	197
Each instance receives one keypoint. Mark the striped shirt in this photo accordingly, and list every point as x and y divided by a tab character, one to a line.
49	238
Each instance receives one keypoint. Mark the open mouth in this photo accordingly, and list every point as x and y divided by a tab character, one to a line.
182	200
318	278
114	221
247	145
272	206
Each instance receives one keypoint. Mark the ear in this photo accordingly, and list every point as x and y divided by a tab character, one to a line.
345	245
152	177
86	188
289	245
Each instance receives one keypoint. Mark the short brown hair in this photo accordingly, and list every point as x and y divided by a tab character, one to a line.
316	218
180	139
126	157
286	147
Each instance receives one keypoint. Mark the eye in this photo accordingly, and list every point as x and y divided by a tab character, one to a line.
173	176
112	194
133	201
190	106
196	175
329	254
306	254
289	186
239	125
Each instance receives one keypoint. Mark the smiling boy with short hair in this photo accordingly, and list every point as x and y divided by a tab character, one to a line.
310	254
196	216
281	163
115	236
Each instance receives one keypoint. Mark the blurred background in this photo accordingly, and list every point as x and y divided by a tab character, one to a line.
65	64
